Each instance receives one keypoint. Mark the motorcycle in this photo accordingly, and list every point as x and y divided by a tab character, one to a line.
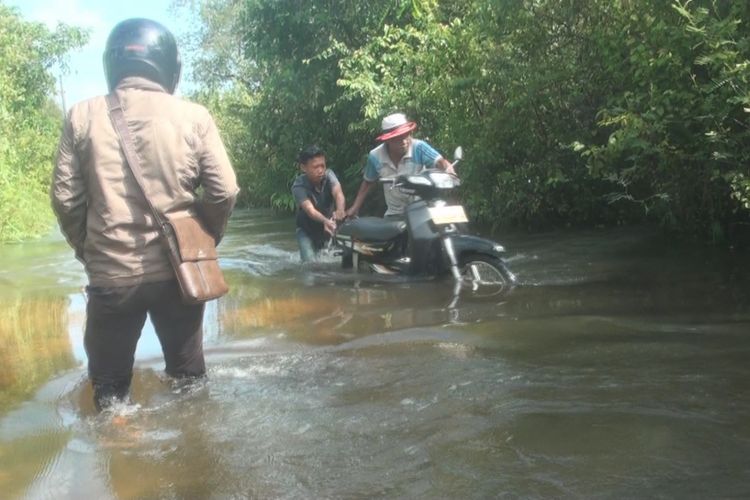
431	239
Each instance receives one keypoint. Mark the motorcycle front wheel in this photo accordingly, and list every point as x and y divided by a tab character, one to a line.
486	270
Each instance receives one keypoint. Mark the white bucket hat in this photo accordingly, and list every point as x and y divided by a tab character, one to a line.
395	125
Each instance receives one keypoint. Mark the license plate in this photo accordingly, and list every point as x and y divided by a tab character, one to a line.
449	214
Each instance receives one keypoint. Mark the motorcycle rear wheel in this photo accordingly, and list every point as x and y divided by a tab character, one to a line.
486	270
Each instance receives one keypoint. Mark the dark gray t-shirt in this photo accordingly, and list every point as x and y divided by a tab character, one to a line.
322	199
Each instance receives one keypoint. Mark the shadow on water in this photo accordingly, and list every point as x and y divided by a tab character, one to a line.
617	369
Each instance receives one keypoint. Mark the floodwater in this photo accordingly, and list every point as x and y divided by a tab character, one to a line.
620	368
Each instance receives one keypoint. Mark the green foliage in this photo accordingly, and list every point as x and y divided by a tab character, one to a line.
570	111
678	123
511	83
270	78
278	60
29	120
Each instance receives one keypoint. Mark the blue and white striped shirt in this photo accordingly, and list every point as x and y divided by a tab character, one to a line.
420	156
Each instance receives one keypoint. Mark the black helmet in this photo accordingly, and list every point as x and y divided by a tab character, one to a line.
142	47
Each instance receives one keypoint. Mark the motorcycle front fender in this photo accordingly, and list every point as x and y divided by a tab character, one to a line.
466	243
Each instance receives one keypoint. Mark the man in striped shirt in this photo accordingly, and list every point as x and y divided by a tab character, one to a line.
398	154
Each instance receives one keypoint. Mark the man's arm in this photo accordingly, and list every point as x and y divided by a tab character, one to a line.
311	212
338	196
68	192
445	165
364	189
219	182
429	156
372	174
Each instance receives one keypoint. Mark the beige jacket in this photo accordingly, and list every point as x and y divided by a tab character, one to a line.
96	199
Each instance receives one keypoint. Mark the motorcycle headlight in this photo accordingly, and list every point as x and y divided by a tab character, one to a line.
418	180
441	180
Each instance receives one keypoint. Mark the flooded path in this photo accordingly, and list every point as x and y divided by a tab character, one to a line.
619	368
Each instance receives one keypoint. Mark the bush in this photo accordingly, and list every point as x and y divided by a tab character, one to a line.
29	121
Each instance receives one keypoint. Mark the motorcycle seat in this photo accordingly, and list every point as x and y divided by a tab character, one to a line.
372	228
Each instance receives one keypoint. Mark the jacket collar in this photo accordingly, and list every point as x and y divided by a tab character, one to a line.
140	83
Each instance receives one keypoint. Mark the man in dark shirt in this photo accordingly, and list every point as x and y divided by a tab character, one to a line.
315	192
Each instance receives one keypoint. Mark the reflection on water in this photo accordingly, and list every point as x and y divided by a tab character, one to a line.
332	308
34	344
617	369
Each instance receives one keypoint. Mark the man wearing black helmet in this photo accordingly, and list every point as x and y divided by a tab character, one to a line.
106	219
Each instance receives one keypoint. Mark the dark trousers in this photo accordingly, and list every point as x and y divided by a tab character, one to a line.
114	319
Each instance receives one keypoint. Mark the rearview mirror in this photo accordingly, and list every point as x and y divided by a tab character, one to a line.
458	154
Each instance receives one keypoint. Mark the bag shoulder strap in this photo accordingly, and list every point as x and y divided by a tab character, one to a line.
120	124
